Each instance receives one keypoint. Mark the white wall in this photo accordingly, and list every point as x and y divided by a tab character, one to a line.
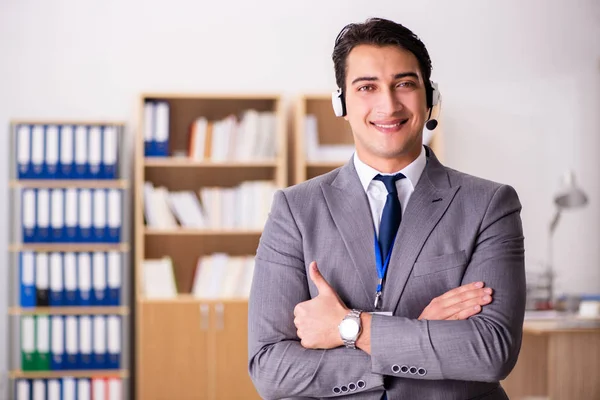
520	79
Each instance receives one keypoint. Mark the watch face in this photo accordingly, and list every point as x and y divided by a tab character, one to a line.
348	329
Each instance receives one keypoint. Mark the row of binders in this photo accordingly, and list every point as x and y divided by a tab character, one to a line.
69	388
70	342
67	151
217	276
245	206
71	215
70	279
156	129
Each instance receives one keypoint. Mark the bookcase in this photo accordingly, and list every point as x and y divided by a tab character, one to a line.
189	346
323	142
68	261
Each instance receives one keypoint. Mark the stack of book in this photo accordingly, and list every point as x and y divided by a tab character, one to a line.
242	207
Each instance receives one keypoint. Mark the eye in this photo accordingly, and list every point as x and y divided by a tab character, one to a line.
366	88
406	84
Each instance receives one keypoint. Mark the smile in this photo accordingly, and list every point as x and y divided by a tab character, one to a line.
388	126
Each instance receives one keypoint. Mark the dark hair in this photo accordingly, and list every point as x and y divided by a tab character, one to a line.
379	32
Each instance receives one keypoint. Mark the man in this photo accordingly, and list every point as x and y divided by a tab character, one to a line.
357	326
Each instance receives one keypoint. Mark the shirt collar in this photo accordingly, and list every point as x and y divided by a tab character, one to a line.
412	171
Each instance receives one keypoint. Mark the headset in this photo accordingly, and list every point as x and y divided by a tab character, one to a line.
339	104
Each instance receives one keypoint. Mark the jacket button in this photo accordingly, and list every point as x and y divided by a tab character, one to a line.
422	371
361	384
413	370
395	368
337	390
404	369
352	386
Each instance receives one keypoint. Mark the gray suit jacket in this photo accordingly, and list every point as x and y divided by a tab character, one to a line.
456	229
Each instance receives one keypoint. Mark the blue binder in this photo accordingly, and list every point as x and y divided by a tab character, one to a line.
71	342
161	129
99	348
57	217
114	215
28	215
57	343
24	166
84	279
85	342
85	216
114	278
37	151
99	279
27	278
110	152
99	207
52	153
95	152
67	152
57	291
71	292
71	226
149	127
43	215
114	342
81	152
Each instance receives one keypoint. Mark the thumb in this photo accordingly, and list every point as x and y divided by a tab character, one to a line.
318	279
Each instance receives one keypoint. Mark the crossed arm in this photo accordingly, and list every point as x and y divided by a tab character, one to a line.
488	343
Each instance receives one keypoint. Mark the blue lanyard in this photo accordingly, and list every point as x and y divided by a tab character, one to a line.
381	268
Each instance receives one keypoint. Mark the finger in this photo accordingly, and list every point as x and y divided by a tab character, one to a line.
318	279
483	294
467	308
462	289
466	313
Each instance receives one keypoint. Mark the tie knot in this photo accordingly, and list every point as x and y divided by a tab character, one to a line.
390	181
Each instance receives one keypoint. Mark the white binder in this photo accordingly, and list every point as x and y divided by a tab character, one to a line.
43	214
51	151
110	151
81	150
95	153
57	345
99	214
54	389
39	390
85	341
85	214
71	214
71	335
70	279
23	390
57	218
115	389
114	213
23	150
99	345
28	215
56	279
42	278
67	148
84	390
99	278
37	150
84	281
98	389
68	387
114	340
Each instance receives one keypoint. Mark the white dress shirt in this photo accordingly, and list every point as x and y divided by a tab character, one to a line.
376	191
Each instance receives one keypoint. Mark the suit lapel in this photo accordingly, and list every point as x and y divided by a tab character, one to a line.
349	208
430	200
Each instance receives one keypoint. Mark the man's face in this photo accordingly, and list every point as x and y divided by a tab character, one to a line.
386	105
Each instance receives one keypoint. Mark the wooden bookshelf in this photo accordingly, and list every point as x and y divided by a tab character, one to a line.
331	130
185	346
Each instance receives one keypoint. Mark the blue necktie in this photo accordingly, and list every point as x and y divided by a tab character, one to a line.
392	214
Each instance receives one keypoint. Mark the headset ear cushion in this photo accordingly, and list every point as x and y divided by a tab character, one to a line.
435	94
338	103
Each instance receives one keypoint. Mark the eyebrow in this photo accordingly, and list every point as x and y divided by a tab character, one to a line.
374	78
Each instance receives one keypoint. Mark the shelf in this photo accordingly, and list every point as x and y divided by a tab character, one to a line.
202	232
189	299
100	373
181	162
324	164
68	247
69	311
70	183
212	96
66	122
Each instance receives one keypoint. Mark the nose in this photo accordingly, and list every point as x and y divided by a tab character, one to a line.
388	104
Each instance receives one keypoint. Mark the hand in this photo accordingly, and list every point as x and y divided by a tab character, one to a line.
459	303
317	319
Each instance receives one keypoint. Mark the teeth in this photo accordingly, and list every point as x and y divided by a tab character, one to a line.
388	126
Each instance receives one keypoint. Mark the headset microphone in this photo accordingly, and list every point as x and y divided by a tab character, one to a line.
436	98
431	124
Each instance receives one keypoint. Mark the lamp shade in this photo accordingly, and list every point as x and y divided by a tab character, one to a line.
570	195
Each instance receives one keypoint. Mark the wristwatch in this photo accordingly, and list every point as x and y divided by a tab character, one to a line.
350	328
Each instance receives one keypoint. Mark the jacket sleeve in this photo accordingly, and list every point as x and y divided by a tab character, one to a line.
484	347
279	366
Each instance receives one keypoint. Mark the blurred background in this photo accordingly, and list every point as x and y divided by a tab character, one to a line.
520	82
